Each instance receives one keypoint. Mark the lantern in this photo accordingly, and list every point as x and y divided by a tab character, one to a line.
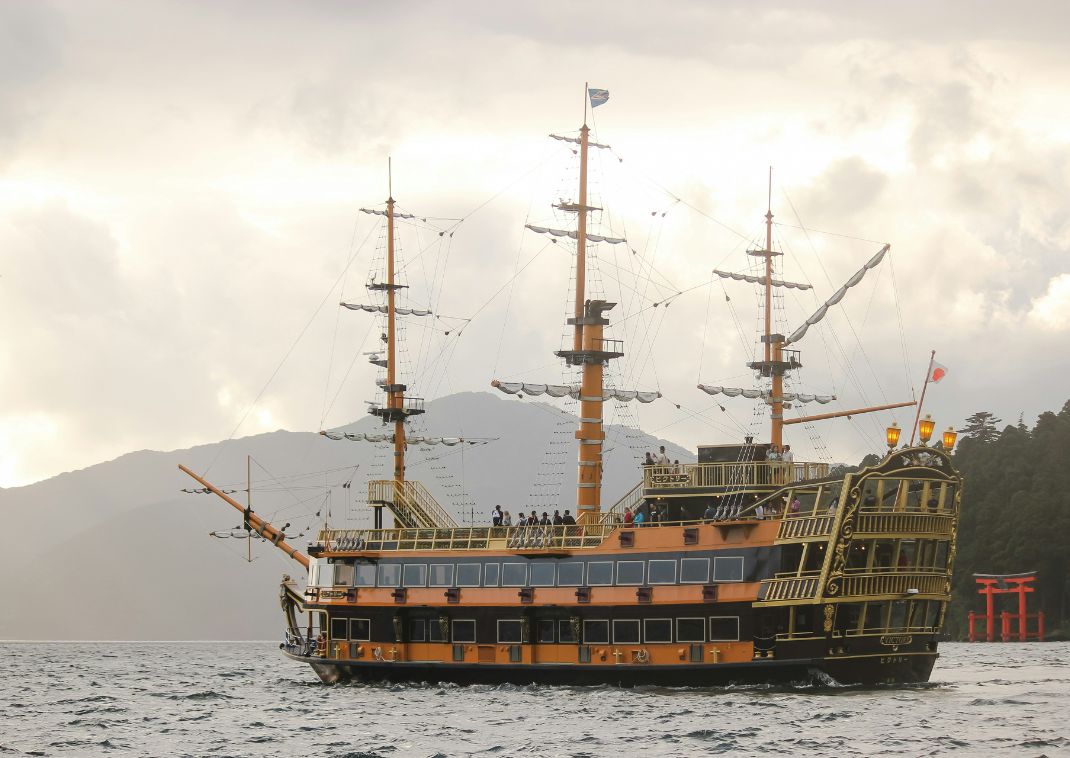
892	435
949	438
925	428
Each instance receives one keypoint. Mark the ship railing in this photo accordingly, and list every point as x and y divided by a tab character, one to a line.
297	644
576	536
791	586
411	503
631	500
895	582
793	526
901	522
755	473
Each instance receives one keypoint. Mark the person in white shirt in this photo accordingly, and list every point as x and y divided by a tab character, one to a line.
663	460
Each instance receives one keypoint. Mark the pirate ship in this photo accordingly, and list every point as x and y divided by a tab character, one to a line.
760	568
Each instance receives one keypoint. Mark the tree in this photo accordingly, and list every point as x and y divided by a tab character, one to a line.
982	426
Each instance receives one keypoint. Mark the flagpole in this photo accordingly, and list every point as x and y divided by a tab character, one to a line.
586	99
928	374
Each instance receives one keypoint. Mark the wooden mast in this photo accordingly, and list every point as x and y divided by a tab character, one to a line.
395	399
773	342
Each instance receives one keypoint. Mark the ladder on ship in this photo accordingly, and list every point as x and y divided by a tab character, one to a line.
412	506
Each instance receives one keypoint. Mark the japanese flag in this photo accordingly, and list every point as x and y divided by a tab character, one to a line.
937	372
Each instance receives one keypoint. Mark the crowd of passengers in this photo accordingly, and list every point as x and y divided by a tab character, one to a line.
498	517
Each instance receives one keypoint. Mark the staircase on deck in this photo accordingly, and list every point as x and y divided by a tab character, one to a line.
411	504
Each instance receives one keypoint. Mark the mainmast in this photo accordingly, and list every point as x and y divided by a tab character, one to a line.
395	393
773	365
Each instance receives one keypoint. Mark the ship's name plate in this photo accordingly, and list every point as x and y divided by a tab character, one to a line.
670	479
894	640
332	594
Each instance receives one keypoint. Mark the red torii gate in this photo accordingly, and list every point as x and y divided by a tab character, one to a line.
999	584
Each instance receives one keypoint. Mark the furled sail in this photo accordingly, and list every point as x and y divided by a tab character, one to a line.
383	213
761	280
382	309
837	296
576	141
566	233
411	439
788	397
573	391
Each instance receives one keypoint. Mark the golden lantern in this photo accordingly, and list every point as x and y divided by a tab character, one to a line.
949	438
925	428
892	435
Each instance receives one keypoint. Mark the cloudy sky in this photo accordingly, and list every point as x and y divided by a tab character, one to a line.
180	185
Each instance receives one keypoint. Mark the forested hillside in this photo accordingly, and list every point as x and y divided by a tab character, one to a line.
1015	512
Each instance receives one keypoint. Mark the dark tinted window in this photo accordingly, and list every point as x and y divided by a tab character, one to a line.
389	575
360	629
490	575
510	631
724	628
596	632
690	630
658	630
514	574
415	575
339	629
662	572
695	570
436	629
418	630
728	569
441	574
468	575
542	574
630	572
365	575
570	574
544	630
464	631
564	631
600	572
626	631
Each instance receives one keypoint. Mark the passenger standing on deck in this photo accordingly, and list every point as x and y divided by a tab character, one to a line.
533	519
545	520
629	517
507	520
710	513
557	518
663	460
568	519
496	516
649	460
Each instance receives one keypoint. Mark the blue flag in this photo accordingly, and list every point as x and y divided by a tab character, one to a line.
598	96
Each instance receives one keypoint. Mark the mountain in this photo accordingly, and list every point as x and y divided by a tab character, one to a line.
117	551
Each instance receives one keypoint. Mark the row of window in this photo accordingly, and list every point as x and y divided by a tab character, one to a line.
534	574
594	631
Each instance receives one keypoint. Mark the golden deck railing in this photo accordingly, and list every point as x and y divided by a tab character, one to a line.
572	537
762	473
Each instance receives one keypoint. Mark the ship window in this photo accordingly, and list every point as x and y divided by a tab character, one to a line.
544	630
940	561
728	569
326	575
365	575
389	574
415	575
570	574
694	570
875	616
630	572
596	632
418	630
490	575
626	631
564	631
343	574
339	629
542	574
662	572
600	572
437	629
464	630
441	574
899	615
724	628
690	630
468	575
657	630
514	574
510	631
360	629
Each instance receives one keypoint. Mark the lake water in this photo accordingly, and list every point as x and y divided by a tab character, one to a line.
245	699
